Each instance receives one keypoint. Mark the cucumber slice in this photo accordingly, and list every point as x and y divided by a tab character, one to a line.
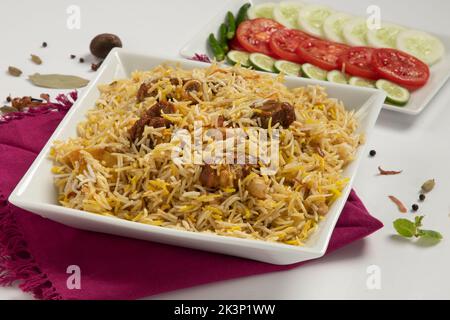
312	17
355	32
336	76
396	95
239	57
286	13
288	68
313	72
264	10
262	62
422	45
385	37
361	82
334	25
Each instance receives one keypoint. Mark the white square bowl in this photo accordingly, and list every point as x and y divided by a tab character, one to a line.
36	191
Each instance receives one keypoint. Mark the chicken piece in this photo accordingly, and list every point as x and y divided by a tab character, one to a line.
101	154
226	177
191	88
280	112
257	188
161	107
213	179
143	91
152	118
137	129
208	177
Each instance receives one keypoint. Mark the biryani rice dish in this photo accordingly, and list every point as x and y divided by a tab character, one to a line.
120	164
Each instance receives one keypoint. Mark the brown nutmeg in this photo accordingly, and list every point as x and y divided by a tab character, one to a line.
103	43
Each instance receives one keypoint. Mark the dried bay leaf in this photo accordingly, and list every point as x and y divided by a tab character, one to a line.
57	81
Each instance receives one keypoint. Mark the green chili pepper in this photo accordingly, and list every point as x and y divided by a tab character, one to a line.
242	14
223	37
231	25
216	48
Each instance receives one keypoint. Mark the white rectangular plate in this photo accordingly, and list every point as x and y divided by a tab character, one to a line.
440	72
36	192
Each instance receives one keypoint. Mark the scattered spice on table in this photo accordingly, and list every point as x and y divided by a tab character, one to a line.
103	43
15	72
422	197
401	207
22	102
96	66
428	186
373	153
388	172
72	56
45	96
415	207
36	59
81	60
8	98
44	44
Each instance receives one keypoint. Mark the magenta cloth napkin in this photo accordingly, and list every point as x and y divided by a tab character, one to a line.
36	252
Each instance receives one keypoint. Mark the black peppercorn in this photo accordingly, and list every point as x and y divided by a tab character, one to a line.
373	153
44	44
415	207
72	56
422	197
81	60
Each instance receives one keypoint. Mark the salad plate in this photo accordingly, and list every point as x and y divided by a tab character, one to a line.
419	99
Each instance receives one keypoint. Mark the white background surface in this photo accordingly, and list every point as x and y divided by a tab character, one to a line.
418	145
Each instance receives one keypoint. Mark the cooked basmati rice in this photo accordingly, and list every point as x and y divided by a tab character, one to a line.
100	171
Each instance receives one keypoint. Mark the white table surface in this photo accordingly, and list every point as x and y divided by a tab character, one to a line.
418	145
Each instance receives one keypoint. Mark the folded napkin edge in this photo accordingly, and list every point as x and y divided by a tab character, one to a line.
17	264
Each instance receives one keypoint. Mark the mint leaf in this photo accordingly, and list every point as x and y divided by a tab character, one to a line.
430	234
418	221
405	228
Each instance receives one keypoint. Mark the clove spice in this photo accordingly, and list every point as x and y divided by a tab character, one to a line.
96	66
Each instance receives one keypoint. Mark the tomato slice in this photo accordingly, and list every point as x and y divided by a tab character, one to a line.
357	61
401	68
254	35
284	42
235	45
322	54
